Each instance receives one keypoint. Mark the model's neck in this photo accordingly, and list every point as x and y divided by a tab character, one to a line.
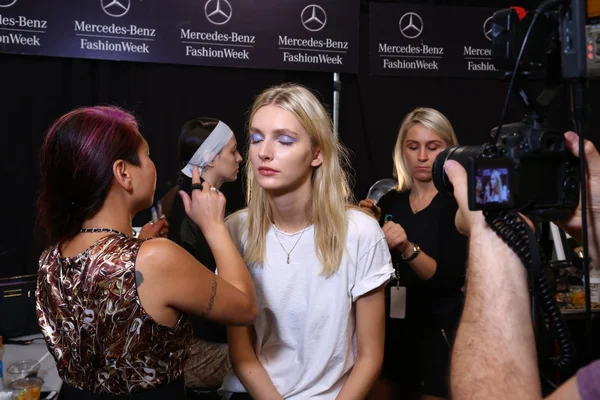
291	211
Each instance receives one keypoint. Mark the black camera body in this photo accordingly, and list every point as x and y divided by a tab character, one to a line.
527	167
529	170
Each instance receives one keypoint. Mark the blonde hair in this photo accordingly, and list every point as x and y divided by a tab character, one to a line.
431	119
330	194
498	189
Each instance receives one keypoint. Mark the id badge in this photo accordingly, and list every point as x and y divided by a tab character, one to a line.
398	302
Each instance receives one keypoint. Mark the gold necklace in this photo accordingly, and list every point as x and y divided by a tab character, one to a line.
288	252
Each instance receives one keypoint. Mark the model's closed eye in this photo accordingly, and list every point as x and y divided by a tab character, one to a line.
256	137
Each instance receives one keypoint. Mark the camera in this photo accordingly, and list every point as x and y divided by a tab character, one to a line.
527	166
529	169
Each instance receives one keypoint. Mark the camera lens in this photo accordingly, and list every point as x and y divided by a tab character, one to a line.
462	154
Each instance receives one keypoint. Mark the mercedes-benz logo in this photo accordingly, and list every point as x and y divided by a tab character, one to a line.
487	28
218	12
411	25
115	8
10	3
313	18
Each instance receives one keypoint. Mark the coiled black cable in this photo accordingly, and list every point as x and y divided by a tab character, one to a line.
557	324
509	226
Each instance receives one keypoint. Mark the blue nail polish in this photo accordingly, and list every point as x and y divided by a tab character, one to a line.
388	217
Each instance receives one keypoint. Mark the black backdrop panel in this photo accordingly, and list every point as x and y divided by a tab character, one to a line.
268	34
421	40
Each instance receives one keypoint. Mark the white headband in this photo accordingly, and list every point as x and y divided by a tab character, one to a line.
214	143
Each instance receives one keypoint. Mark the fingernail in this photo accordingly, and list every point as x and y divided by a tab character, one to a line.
162	216
449	165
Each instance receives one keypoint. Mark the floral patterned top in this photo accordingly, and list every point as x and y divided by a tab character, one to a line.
95	326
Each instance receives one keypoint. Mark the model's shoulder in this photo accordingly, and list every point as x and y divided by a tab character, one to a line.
236	219
361	224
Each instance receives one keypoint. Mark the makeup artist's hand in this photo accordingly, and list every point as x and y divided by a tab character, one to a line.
206	206
369	206
160	228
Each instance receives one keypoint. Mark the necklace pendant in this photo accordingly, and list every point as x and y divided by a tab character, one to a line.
288	259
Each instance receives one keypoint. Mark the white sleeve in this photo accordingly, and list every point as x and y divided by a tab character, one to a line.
374	262
234	226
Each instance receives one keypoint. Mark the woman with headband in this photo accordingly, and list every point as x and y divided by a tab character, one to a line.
319	264
425	301
211	144
113	308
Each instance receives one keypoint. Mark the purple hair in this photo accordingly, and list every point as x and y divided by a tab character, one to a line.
76	161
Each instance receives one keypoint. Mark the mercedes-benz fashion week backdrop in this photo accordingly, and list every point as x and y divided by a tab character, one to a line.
394	57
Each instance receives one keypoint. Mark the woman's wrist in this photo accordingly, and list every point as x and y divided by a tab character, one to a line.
407	251
411	252
217	231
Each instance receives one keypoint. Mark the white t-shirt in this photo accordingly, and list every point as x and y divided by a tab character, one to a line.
306	328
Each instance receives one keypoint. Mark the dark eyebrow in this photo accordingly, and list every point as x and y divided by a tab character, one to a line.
429	142
253	129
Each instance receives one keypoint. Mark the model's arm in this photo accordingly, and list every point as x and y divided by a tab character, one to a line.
246	366
370	335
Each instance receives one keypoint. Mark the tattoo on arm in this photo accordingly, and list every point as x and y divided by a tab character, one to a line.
213	293
139	278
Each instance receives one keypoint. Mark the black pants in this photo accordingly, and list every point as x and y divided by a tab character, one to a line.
202	394
240	396
417	356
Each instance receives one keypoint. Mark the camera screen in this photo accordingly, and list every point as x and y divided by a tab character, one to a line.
492	186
